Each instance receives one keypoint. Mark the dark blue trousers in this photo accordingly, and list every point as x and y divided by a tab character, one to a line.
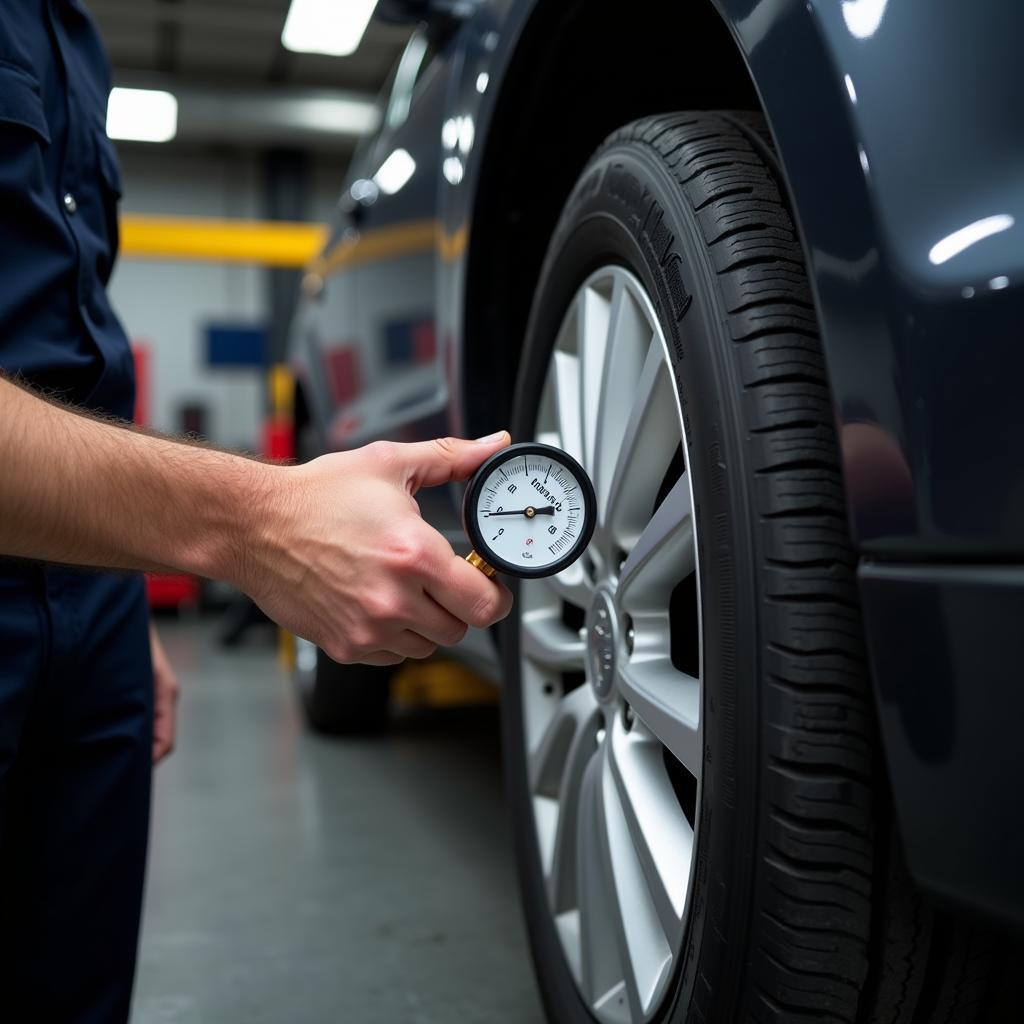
76	711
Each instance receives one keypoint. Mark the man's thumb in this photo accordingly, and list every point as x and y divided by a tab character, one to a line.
449	458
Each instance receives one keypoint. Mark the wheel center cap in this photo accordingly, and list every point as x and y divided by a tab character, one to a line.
602	643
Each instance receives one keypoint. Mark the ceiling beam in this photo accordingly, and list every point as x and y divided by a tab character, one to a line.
205	15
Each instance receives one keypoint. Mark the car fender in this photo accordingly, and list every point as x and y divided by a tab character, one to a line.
886	155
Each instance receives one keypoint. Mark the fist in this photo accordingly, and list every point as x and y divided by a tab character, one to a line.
345	560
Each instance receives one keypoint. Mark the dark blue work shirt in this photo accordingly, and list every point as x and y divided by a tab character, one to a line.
59	186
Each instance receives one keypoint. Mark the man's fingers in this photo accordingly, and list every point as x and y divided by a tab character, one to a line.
430	463
437	624
162	746
381	658
165	699
457	594
468	594
406	644
163	728
413	645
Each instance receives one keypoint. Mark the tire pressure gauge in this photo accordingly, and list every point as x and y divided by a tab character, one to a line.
529	511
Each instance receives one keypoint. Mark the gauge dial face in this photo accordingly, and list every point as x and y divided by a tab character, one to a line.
530	510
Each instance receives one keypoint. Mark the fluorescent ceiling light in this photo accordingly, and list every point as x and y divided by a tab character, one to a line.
336	115
333	27
142	115
395	172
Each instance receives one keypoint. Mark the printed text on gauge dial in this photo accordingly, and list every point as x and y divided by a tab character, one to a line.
530	511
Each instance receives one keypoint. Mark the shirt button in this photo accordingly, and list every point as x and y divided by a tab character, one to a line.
70	203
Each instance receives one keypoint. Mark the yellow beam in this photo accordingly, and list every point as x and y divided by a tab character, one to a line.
406	238
281	243
267	243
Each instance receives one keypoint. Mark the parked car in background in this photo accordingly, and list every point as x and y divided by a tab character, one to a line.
759	266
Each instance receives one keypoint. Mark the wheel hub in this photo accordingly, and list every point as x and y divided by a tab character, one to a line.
602	639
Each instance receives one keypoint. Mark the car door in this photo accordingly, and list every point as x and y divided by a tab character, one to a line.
391	257
321	349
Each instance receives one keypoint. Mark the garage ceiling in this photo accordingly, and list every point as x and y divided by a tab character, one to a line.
234	42
236	84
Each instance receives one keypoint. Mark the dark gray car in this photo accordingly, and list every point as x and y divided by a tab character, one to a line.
759	266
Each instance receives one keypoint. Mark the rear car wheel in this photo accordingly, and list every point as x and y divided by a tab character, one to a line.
689	735
337	700
340	700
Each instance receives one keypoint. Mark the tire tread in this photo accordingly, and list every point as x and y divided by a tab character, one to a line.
821	880
834	930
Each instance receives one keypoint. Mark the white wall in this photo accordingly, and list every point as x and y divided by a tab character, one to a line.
168	304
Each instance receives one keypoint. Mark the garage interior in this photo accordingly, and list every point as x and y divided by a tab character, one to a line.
718	721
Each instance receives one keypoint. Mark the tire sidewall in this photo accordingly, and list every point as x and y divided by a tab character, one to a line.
610	219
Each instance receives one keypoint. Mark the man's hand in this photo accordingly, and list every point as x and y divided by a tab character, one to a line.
344	559
335	550
165	699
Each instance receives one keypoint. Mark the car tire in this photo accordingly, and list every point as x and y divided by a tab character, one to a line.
776	912
337	700
341	700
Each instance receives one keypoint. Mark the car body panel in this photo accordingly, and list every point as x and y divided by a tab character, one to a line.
946	652
367	326
897	126
885	158
900	130
900	135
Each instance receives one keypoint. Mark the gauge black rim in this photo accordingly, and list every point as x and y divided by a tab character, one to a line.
472	497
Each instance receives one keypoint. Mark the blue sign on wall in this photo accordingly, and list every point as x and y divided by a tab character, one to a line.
236	345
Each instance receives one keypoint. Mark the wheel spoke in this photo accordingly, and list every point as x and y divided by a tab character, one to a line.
549	757
564	382
545	639
663	554
557	768
661	835
613	1006
667	701
571	585
594	311
602	968
630	335
646	950
648	438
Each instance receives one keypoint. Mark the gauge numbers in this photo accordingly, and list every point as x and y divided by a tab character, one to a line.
530	510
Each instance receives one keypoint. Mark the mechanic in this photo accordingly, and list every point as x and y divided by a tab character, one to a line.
334	550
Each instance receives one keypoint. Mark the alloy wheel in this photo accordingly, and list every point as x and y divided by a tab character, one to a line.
611	661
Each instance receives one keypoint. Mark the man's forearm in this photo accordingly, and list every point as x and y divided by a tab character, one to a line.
84	491
334	550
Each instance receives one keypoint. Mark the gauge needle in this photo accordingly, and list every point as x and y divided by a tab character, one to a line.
529	512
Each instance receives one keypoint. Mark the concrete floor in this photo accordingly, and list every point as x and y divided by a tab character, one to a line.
298	879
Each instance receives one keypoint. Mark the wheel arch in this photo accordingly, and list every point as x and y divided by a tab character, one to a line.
568	69
573	79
